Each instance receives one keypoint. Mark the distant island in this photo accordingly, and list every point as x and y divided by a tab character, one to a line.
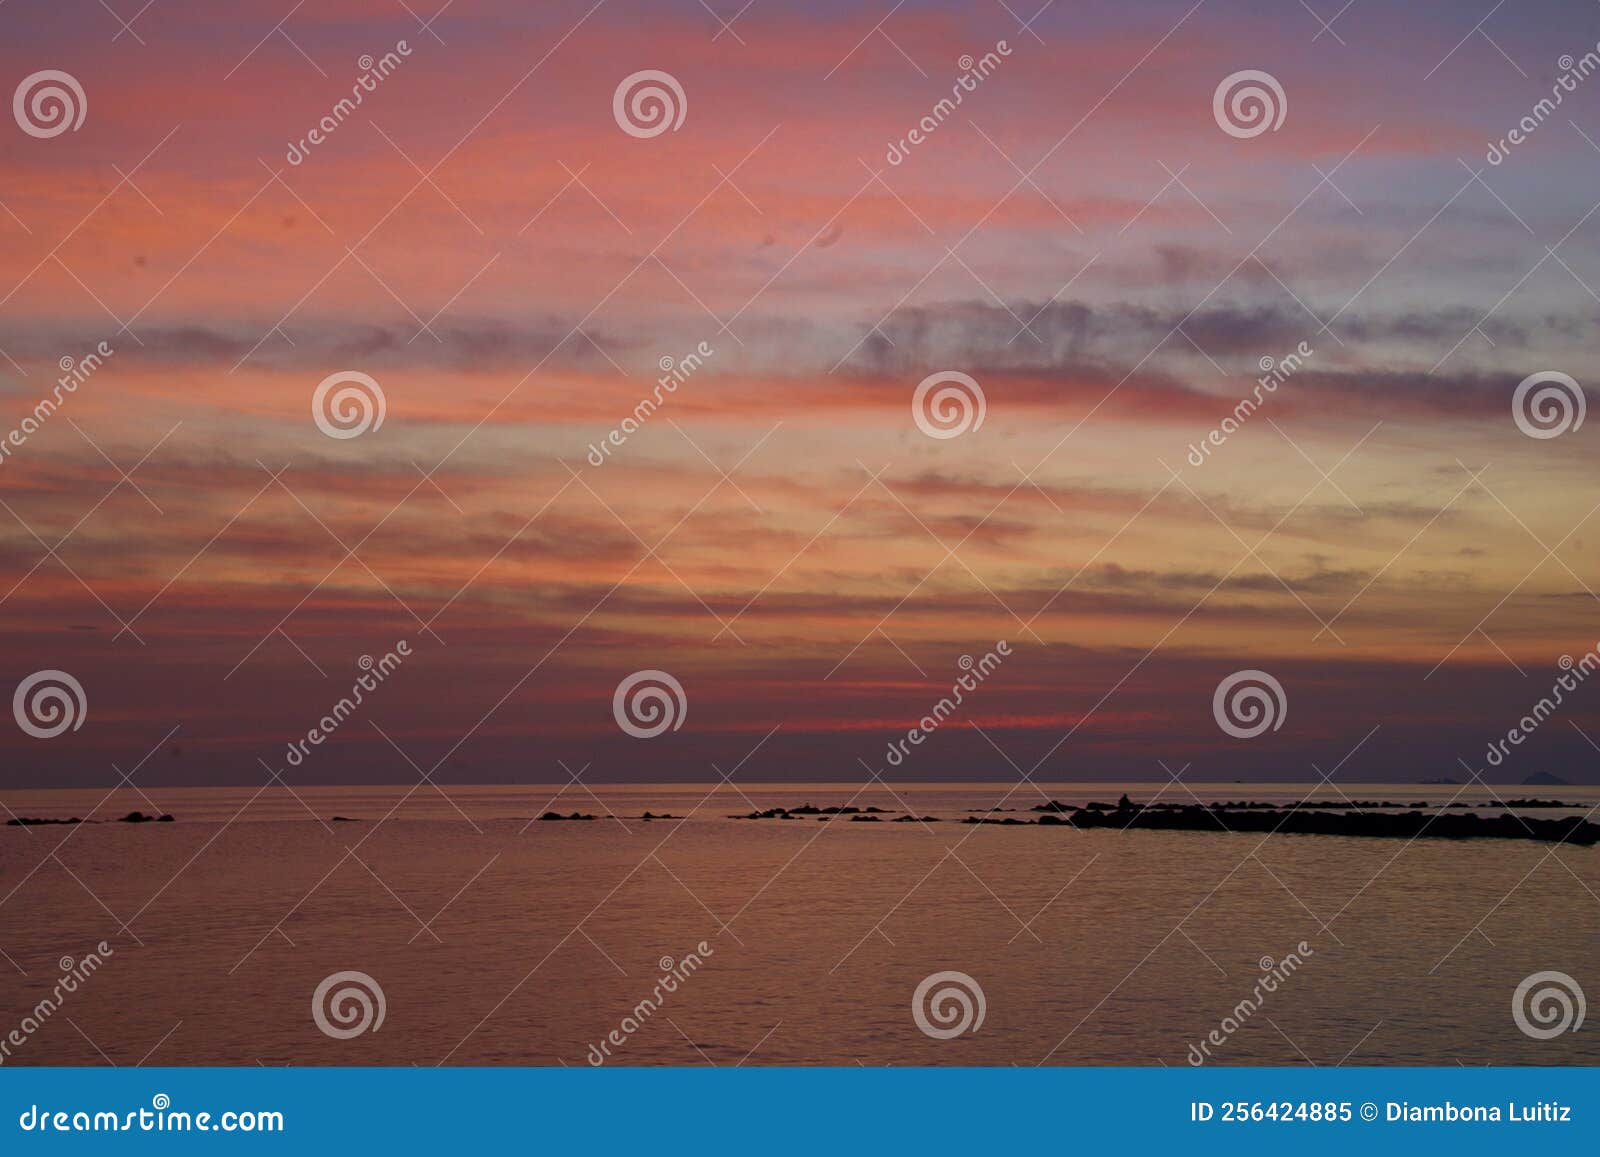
1545	779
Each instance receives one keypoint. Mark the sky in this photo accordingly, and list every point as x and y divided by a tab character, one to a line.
485	239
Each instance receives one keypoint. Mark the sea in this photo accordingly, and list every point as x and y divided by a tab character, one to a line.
449	925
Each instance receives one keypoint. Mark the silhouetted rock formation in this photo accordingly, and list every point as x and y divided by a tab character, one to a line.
130	818
1300	819
806	809
553	816
1377	818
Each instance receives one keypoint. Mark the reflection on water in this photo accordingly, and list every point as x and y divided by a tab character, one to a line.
499	941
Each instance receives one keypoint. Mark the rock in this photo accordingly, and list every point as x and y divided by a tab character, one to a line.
1317	820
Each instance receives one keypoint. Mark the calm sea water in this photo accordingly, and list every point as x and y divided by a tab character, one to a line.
499	941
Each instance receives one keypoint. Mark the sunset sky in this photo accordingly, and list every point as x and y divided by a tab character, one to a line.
1080	236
